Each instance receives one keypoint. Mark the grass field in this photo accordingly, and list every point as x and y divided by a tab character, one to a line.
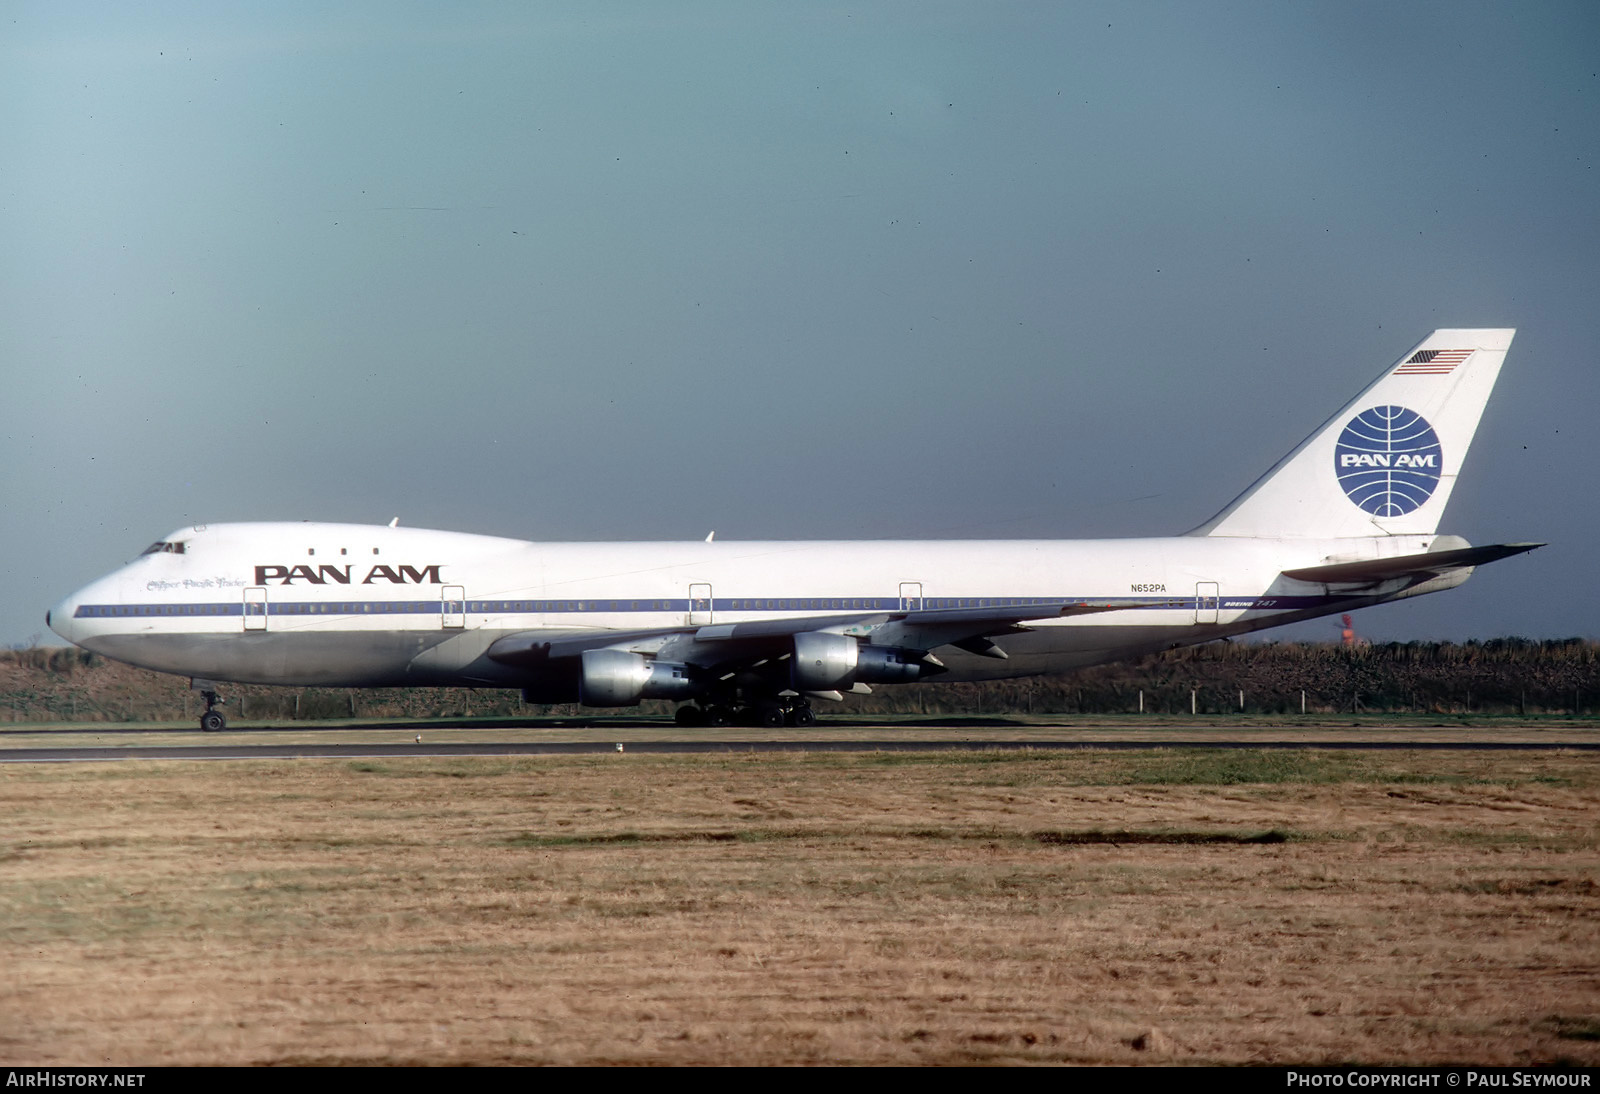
1164	906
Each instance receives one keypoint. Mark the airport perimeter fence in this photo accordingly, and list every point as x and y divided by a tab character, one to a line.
1499	677
1508	676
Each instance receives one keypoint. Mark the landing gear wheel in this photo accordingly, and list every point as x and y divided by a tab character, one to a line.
690	716
770	716
212	720
718	717
802	717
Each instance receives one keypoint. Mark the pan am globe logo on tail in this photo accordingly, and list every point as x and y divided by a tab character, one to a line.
1388	460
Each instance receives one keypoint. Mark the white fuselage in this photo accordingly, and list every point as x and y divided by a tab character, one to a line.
354	605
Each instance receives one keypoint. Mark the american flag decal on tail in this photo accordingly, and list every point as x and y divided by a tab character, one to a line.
1432	362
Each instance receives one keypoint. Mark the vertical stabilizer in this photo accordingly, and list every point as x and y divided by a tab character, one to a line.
1386	463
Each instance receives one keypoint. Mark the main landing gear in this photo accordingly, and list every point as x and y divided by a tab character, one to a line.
771	714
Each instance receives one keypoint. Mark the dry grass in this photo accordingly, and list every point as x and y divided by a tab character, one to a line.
1158	907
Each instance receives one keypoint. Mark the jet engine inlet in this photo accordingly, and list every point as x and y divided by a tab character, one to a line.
832	662
617	678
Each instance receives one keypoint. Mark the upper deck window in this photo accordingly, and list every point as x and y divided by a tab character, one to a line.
162	547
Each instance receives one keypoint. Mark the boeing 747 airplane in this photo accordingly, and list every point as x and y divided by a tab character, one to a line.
755	631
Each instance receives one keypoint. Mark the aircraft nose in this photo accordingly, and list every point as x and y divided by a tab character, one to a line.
63	618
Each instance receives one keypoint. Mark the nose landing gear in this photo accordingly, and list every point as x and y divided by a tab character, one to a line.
212	720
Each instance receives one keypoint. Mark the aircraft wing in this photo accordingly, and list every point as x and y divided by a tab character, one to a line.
970	628
723	643
1424	566
538	647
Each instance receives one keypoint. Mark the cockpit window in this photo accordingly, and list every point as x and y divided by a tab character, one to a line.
162	547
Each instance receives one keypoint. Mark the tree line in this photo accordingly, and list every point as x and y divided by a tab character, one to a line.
1502	676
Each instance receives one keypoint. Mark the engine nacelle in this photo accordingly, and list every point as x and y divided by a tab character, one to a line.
832	662
617	678
895	665
824	662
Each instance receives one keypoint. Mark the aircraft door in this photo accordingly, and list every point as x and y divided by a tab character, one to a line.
1207	599
453	607
699	604
911	596
255	608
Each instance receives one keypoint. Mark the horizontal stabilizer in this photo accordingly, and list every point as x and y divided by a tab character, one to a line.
1428	564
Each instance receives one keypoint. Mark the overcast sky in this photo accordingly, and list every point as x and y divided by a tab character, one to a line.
640	271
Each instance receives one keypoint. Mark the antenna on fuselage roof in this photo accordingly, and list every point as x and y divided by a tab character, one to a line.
395	523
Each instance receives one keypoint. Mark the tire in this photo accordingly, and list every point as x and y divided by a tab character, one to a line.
212	721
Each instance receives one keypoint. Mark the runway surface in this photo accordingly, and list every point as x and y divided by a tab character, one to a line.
466	737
